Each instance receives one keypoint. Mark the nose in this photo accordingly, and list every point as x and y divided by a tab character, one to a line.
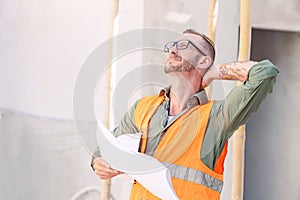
173	50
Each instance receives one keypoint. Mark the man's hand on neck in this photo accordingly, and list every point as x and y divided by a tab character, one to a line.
230	71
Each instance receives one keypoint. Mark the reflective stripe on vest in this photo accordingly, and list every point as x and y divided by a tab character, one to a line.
195	176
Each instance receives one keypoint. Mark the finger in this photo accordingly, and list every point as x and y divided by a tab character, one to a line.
105	169
100	161
105	175
99	166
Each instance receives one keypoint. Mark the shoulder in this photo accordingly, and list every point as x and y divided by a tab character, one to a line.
150	100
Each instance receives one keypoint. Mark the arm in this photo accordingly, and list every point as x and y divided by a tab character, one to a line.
230	71
258	81
228	114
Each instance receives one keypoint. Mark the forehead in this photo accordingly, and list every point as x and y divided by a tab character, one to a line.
196	39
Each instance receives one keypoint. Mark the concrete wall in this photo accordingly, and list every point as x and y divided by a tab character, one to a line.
43	45
272	150
271	167
276	14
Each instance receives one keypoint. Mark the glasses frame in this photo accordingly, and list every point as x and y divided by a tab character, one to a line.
175	43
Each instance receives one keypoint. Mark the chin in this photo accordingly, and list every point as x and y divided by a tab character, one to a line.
168	69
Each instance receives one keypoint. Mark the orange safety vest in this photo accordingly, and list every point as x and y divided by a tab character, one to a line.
179	150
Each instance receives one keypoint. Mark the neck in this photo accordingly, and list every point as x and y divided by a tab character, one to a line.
183	87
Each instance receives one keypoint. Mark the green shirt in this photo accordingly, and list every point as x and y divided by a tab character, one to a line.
226	115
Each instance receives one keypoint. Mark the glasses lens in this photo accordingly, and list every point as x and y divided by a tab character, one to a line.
182	44
168	46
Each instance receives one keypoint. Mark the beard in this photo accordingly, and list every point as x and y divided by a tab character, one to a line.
183	66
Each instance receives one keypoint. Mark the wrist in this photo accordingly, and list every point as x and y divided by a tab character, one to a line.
210	75
235	71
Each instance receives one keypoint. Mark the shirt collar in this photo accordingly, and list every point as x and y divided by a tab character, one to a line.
198	98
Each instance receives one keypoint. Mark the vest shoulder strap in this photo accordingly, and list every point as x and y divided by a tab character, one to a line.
144	111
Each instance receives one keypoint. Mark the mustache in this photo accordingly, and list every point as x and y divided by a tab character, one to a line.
176	57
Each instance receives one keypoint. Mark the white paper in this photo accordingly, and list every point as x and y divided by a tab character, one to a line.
148	171
130	142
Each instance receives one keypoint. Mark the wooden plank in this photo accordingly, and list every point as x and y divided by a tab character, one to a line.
212	23
239	136
106	184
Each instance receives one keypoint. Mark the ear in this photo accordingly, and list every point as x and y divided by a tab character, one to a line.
204	62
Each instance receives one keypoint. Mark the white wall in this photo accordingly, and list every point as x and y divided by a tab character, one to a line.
43	45
276	14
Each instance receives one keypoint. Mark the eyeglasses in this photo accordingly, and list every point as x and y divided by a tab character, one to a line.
180	45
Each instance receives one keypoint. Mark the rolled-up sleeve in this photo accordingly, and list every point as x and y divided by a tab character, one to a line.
245	99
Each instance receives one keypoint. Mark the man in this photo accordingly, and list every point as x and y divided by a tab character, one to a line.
182	128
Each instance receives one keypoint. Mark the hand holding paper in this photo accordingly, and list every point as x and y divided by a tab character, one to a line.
144	169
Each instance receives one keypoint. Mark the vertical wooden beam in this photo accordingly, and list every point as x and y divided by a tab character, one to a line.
239	136
212	19
106	184
212	24
245	31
